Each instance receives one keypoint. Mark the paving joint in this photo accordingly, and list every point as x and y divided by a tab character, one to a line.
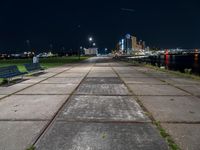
49	124
22	120
180	122
105	121
148	113
15	93
40	94
99	95
173	85
135	97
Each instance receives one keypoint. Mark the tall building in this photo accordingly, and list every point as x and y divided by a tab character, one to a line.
128	44
143	45
123	45
134	42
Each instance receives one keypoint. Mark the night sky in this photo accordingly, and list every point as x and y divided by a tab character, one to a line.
69	23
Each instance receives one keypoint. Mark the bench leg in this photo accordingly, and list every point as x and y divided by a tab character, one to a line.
9	79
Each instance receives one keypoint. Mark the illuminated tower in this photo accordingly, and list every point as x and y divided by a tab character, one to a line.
143	45
134	42
128	44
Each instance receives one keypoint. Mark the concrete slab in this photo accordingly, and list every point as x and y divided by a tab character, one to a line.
99	69
143	81
71	74
47	75
128	72
131	75
126	69
146	69
173	108
99	136
102	74
99	80
103	89
123	68
33	80
1	96
115	63
63	80
106	108
5	90
79	69
185	135
50	89
149	89
19	135
102	65
57	69
25	107
182	81
159	74
193	89
156	73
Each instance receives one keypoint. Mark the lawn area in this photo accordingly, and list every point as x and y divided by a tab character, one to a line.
45	62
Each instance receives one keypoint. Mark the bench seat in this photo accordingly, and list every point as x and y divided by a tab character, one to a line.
33	67
10	71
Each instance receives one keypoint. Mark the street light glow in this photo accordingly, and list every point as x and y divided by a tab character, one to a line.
90	39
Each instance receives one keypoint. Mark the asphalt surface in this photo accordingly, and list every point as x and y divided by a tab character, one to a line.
99	104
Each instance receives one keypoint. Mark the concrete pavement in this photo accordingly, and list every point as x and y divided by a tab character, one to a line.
94	105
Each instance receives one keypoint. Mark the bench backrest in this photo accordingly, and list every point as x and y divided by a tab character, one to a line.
8	70
32	66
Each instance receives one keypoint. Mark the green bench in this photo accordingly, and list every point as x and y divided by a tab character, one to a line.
33	67
10	72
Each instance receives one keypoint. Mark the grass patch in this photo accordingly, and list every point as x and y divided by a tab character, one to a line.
45	62
167	137
31	148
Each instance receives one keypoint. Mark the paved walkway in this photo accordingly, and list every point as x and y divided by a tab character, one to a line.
95	106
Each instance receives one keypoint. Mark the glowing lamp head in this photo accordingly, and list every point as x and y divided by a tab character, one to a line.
90	39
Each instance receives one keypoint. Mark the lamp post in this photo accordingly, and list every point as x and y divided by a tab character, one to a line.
90	41
79	52
106	49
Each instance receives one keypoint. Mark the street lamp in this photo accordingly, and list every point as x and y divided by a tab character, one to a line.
106	49
94	44
79	52
90	41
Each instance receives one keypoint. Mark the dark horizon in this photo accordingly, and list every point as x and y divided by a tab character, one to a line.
168	24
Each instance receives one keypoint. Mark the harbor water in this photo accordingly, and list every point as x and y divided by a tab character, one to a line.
189	63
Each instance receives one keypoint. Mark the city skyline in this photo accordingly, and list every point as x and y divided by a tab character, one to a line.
51	24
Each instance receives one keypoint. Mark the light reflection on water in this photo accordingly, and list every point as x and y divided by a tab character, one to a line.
178	62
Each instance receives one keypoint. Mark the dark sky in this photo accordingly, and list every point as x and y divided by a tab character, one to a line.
68	23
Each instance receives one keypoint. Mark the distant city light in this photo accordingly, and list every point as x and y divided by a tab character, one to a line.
94	44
